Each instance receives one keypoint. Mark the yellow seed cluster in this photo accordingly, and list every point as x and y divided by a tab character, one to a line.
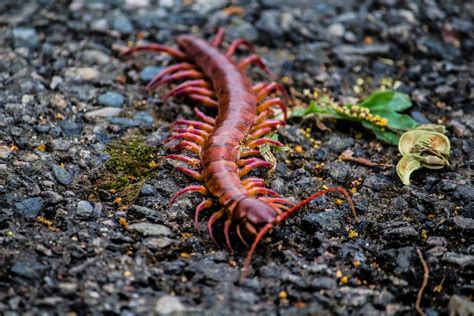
361	113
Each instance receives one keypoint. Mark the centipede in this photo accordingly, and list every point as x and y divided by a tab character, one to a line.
219	152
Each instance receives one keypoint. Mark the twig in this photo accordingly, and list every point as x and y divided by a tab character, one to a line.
347	155
426	272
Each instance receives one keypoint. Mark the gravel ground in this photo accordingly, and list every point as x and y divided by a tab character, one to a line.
67	245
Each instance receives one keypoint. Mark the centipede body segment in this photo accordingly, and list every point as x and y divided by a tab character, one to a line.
224	149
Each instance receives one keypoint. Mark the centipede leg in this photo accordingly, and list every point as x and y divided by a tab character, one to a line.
249	153
202	206
262	141
261	132
204	100
180	75
192	188
192	90
261	190
267	123
204	126
236	44
217	41
168	70
226	235
274	102
192	173
257	60
192	130
205	118
155	48
239	233
255	163
214	217
271	87
188	160
188	145
198	83
187	136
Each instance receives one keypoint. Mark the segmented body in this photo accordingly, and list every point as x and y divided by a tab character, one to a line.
227	146
236	114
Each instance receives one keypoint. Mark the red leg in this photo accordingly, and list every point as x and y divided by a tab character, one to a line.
192	173
191	90
192	188
257	60
219	37
195	131
271	87
253	180
261	132
190	161
236	44
261	141
263	116
203	100
184	144
211	222
255	164
207	119
187	136
168	70
272	102
204	126
239	233
261	190
267	199
191	83
202	206
268	123
155	48
226	234
183	74
256	88
249	153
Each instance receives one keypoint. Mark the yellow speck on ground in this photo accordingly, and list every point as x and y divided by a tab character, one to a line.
298	149
338	201
353	234
283	295
424	234
118	200
127	274
41	147
123	222
152	164
14	147
185	255
325	187
344	280
356	263
338	274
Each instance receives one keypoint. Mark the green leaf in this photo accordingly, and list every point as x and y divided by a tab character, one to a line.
397	121
384	135
315	108
298	112
387	100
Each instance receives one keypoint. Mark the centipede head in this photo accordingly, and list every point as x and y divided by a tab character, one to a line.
253	214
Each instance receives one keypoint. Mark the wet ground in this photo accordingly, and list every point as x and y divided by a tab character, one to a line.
69	245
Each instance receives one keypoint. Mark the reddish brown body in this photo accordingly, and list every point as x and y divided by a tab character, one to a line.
244	116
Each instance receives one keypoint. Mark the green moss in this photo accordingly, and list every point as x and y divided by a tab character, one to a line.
130	165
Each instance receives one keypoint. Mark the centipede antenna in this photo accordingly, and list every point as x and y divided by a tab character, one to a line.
248	259
155	48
